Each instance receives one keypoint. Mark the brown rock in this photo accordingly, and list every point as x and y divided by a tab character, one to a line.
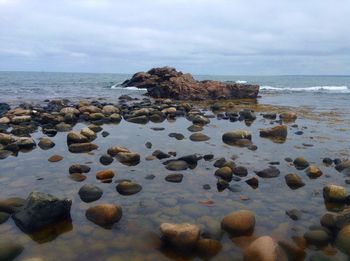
105	174
183	236
166	82
104	215
55	158
262	249
240	222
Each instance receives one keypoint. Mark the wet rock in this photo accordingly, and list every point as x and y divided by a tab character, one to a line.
148	145
89	193
21	119
175	178
109	109
294	214
4	107
113	151
150	177
253	182
220	162
106	159
270	116
96	116
234	137
69	110
115	118
95	128
292	251
334	193
4	154
40	210
300	163
327	161
160	154
206	187
46	144
105	134
224	173
343	240
6	139
294	181
55	158
313	172
207	247
78	177
88	133
247	114
195	128
199	137
270	172
4	120
182	236
10	250
240	171
128	158
177	165
190	159
25	143
280	131
104	215
200	120
105	174
82	147
317	237
79	168
208	157
4	217
342	165
76	137
335	221
288	116
177	136
127	188
222	184
63	127
240	222
11	205
261	249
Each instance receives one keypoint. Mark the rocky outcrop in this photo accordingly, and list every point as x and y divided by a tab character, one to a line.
40	210
166	82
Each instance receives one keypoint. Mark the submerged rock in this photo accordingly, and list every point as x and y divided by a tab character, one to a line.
40	210
343	240
79	168
182	236
11	205
82	147
175	178
234	137
262	249
199	137
317	237
177	165
208	247
89	193
10	250
46	144
104	215
128	158
270	172
280	131
240	222
300	163
294	181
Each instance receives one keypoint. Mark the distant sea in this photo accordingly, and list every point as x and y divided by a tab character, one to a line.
318	92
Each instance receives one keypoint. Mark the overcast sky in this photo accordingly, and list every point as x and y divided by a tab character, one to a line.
199	36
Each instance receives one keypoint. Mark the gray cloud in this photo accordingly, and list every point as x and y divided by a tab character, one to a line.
200	36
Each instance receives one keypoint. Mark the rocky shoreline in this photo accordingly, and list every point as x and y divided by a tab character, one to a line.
82	124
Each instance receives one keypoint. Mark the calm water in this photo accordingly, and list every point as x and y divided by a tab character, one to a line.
161	201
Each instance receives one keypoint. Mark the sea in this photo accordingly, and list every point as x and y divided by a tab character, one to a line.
319	92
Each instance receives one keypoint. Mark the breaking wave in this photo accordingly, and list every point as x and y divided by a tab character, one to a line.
118	87
317	89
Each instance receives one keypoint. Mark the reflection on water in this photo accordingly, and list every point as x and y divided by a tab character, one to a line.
136	235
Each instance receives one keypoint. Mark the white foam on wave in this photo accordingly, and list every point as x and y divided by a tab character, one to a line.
240	81
325	89
132	88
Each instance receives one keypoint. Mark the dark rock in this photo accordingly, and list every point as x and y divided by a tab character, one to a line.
4	107
342	165
175	178
190	159
41	210
317	237
280	131
177	165
270	172
11	205
327	161
222	185
270	116
105	134
160	154
294	214
166	82
127	188
220	162
150	177
4	154
148	145
106	159
300	163
10	250
206	186
139	119
234	137
253	182
247	114
224	173
128	158
78	177
89	193
199	137
4	217
79	168
46	143
240	171
177	136
195	128
208	157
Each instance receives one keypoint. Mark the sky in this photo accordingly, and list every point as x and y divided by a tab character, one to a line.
223	37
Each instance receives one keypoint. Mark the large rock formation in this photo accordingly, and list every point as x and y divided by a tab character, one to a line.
166	82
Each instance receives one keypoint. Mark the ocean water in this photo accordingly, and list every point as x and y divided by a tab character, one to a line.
318	92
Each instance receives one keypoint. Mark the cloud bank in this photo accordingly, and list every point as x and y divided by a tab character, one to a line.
199	36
